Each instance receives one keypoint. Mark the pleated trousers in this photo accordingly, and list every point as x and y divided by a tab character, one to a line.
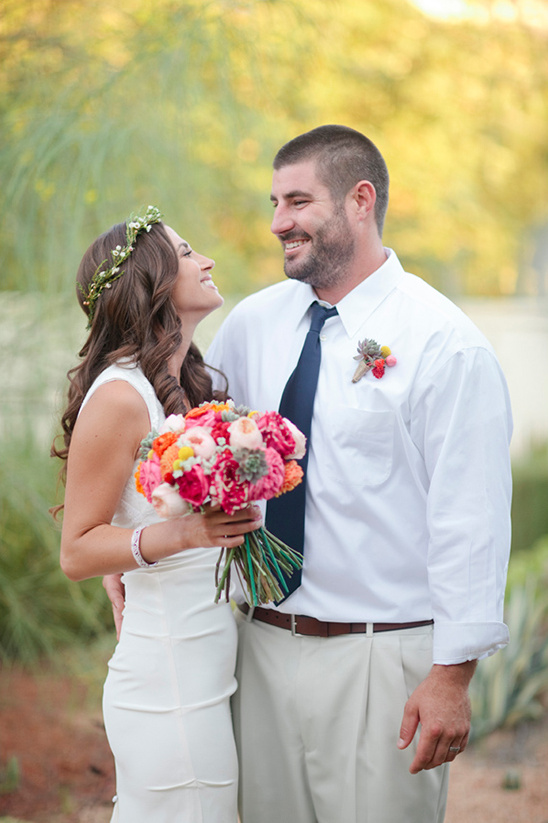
317	722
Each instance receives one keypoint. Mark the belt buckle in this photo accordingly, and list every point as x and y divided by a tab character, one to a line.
294	631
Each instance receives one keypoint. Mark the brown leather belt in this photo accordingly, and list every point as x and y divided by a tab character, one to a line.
309	626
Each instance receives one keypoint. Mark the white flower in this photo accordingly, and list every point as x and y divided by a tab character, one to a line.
173	423
167	501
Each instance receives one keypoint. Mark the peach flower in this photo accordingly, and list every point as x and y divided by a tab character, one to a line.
200	440
167	501
245	434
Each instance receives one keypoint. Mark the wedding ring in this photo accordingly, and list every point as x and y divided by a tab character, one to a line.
454	749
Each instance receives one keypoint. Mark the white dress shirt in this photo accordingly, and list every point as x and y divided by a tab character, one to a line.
408	480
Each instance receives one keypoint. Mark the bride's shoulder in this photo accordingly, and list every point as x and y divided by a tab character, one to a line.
116	403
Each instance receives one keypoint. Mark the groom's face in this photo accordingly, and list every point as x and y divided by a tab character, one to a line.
314	231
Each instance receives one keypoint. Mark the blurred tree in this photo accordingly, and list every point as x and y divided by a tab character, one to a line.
183	103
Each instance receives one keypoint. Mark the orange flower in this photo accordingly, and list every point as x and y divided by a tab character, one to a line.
170	454
205	407
138	484
163	441
292	478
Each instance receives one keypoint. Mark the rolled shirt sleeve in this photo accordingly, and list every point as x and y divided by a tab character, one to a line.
462	426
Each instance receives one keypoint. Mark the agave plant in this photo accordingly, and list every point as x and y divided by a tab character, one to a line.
509	686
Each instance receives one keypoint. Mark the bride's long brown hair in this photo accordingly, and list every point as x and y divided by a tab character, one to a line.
135	318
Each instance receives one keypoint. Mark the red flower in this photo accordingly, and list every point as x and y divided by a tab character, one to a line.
227	487
378	369
276	433
193	485
220	429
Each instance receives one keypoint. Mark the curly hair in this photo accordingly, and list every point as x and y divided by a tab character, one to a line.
135	318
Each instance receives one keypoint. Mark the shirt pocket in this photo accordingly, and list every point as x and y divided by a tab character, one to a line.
362	444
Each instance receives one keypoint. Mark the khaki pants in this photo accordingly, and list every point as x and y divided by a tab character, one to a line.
317	721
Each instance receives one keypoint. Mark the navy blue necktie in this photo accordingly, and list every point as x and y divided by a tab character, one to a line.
285	514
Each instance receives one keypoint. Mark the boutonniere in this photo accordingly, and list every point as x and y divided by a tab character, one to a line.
372	356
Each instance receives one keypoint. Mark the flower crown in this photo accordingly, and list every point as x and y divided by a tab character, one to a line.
103	278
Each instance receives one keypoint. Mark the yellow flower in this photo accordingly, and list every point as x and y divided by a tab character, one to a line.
385	351
185	452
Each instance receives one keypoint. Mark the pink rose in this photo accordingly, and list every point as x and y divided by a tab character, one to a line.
150	476
168	502
227	488
173	423
300	441
200	441
245	434
193	485
269	485
276	433
390	360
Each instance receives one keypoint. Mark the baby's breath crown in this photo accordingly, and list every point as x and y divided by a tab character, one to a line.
103	278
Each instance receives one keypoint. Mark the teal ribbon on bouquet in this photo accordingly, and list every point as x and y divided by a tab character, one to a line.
262	563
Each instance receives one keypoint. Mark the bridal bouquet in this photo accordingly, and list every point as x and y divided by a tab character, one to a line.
227	456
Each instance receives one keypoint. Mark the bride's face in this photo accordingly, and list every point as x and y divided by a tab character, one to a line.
195	294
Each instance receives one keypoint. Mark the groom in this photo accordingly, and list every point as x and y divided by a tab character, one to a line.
406	522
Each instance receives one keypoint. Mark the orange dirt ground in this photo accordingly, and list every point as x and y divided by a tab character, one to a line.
53	728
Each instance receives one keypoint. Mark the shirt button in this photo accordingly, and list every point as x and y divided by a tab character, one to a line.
323	337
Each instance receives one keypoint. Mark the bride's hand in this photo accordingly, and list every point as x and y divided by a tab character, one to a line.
116	592
216	528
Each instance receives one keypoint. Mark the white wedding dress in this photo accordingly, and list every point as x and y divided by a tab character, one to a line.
166	697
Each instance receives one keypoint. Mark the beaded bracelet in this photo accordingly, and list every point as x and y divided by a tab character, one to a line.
136	551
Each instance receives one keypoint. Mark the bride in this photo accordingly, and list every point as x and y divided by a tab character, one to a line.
166	697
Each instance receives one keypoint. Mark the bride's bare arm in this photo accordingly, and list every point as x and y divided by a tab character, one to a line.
103	449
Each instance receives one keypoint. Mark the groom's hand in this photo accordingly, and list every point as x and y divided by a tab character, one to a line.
441	706
116	592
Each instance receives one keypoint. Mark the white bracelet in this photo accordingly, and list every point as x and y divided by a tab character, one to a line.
136	551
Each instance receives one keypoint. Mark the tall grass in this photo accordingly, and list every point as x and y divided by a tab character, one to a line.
40	610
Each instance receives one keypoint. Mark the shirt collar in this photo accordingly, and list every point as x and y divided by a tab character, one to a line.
366	297
361	302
